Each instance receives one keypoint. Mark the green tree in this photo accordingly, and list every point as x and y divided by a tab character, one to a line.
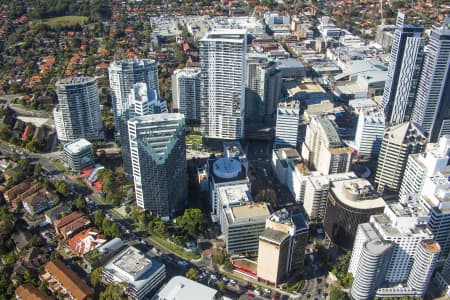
114	230
79	203
221	286
192	274
62	188
32	146
96	277
337	294
99	216
114	291
193	222
218	257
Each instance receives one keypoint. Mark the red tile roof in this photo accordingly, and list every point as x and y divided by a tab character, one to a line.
71	282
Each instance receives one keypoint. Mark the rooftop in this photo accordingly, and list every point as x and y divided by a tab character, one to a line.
431	246
75	80
181	288
334	139
377	247
133	267
274	236
251	210
357	193
71	282
27	291
78	146
235	194
405	133
158	117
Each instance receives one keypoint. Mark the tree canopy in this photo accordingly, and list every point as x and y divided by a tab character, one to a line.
193	222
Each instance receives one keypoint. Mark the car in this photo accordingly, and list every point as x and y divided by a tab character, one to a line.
250	295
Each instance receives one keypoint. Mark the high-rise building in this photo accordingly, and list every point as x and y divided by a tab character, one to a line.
442	278
323	149
158	156
141	101
315	188
422	165
403	73
282	246
123	74
287	125
432	106
399	141
78	112
350	202
263	87
404	269
186	93
369	133
222	83
374	257
435	198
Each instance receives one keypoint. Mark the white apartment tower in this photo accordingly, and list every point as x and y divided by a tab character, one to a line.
423	165
288	121
222	83
399	141
323	149
400	246
403	73
433	91
186	93
369	133
158	156
123	74
78	112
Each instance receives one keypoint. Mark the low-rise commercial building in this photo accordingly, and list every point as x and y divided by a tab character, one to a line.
241	220
181	288
140	273
79	155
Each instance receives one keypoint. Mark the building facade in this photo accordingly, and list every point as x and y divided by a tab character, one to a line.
409	257
140	273
324	150
350	203
123	74
158	157
282	246
241	220
369	133
399	141
141	101
287	125
186	93
263	87
78	112
79	155
431	110
222	83
403	73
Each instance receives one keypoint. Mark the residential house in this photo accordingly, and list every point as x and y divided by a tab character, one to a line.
64	280
85	241
27	291
71	224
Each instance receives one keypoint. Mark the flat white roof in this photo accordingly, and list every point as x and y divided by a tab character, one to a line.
77	145
181	288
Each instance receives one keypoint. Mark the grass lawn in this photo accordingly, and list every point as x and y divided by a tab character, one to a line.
174	248
65	20
60	166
